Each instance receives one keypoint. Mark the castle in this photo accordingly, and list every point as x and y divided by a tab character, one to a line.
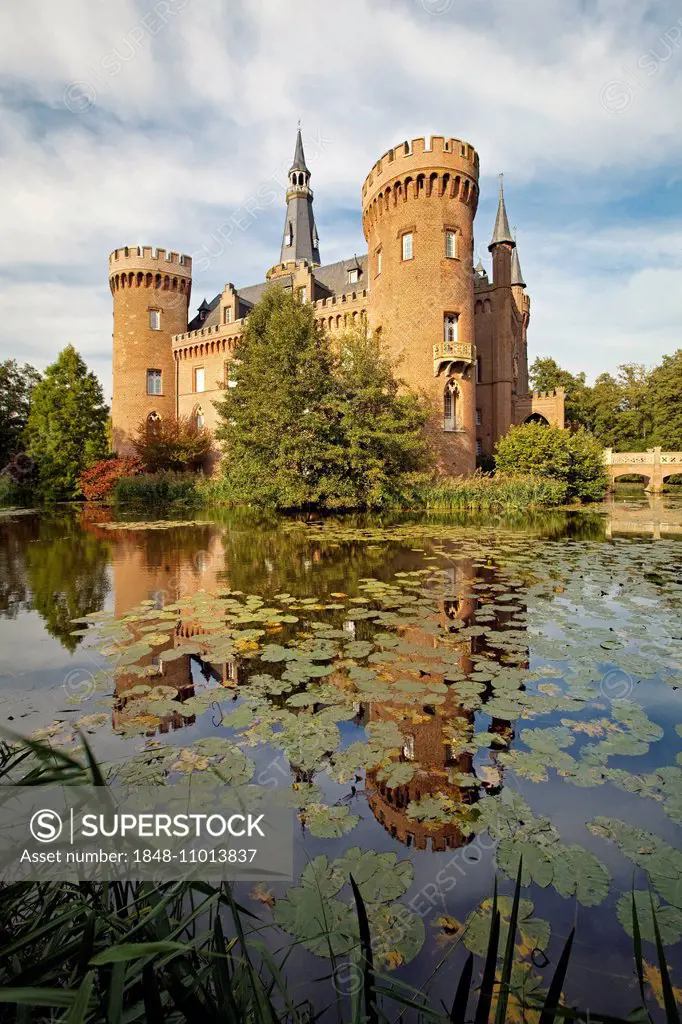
460	338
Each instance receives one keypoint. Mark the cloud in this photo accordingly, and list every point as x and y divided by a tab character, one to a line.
157	121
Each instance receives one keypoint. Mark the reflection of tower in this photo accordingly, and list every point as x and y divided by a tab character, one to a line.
133	709
437	737
424	744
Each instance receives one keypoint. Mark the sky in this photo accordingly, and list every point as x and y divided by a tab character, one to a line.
172	122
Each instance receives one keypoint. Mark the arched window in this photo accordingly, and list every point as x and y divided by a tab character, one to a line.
290	234
199	417
451	404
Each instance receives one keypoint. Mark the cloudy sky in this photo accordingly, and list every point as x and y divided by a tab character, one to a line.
163	121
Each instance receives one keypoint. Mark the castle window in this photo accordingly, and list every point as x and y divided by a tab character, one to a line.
379	254
450	406
451	245
353	276
302	294
290	234
199	417
479	447
227	315
154	382
199	379
450	327
479	370
408	250
155	319
479	418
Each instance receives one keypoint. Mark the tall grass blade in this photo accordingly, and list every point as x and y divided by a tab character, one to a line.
459	1004
153	1007
79	1009
637	945
505	979
671	1014
367	957
557	984
485	997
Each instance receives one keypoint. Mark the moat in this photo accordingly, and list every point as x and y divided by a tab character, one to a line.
428	697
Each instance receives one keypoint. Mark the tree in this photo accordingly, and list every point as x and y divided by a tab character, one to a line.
176	444
66	428
575	459
665	398
307	425
16	387
547	375
381	425
621	411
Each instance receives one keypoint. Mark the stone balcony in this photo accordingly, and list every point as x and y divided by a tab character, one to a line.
452	352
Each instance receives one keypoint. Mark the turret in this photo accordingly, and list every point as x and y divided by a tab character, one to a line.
151	290
502	244
418	207
300	240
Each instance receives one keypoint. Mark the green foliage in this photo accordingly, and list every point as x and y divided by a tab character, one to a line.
665	394
621	409
151	489
16	388
309	426
491	492
172	444
546	375
66	428
574	459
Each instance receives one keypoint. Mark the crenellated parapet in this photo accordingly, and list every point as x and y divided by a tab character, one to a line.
143	266
415	171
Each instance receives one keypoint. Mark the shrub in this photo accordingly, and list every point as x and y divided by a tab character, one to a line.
575	459
172	444
18	478
157	489
97	482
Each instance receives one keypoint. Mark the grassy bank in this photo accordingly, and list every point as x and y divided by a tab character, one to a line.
476	493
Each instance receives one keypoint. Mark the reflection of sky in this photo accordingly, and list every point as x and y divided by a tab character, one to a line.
34	666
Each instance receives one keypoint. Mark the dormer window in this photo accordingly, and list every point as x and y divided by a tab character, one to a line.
353	275
227	315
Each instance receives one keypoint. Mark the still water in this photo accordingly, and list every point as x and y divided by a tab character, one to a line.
431	698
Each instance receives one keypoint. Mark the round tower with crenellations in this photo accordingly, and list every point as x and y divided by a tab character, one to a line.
418	207
151	290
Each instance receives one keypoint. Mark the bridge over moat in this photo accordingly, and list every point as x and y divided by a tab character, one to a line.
656	466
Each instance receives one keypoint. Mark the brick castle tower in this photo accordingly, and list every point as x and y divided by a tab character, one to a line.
418	208
151	290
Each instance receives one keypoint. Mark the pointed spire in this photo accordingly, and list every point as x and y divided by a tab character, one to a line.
516	275
479	268
299	163
501	232
300	240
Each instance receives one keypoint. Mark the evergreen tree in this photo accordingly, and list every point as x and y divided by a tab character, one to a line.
310	425
665	398
16	387
66	428
278	426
